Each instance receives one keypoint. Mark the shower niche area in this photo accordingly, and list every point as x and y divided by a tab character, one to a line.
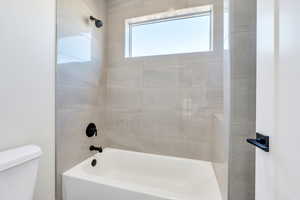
167	84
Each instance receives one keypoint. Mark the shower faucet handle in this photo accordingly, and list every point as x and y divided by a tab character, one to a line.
91	130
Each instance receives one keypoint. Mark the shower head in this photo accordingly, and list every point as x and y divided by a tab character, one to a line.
98	23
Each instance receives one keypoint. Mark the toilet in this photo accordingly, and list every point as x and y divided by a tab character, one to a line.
18	172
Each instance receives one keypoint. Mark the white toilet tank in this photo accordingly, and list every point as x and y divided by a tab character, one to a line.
18	171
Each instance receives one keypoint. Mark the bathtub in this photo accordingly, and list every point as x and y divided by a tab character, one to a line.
126	175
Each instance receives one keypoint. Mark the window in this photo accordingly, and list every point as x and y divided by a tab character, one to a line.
175	32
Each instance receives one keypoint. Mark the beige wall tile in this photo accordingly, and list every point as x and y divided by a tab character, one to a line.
240	99
123	98
124	76
168	94
155	98
80	82
159	77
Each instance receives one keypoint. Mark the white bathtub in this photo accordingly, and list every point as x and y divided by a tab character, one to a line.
126	175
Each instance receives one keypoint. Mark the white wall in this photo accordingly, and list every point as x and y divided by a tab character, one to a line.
277	172
266	96
27	67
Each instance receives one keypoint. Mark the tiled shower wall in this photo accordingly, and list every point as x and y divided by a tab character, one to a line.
240	99
158	104
80	81
162	104
220	153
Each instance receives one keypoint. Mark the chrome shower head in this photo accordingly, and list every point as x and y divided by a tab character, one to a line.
98	23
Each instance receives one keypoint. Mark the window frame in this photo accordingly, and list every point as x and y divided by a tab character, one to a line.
165	17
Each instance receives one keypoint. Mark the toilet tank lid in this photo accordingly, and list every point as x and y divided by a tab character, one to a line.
13	157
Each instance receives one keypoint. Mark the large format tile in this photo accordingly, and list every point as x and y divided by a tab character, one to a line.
80	82
161	104
123	98
157	77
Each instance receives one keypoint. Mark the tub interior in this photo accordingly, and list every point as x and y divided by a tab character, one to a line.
164	176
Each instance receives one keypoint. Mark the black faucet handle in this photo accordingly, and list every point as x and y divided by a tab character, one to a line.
93	148
91	130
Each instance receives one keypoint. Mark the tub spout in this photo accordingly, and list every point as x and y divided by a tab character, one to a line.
93	148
